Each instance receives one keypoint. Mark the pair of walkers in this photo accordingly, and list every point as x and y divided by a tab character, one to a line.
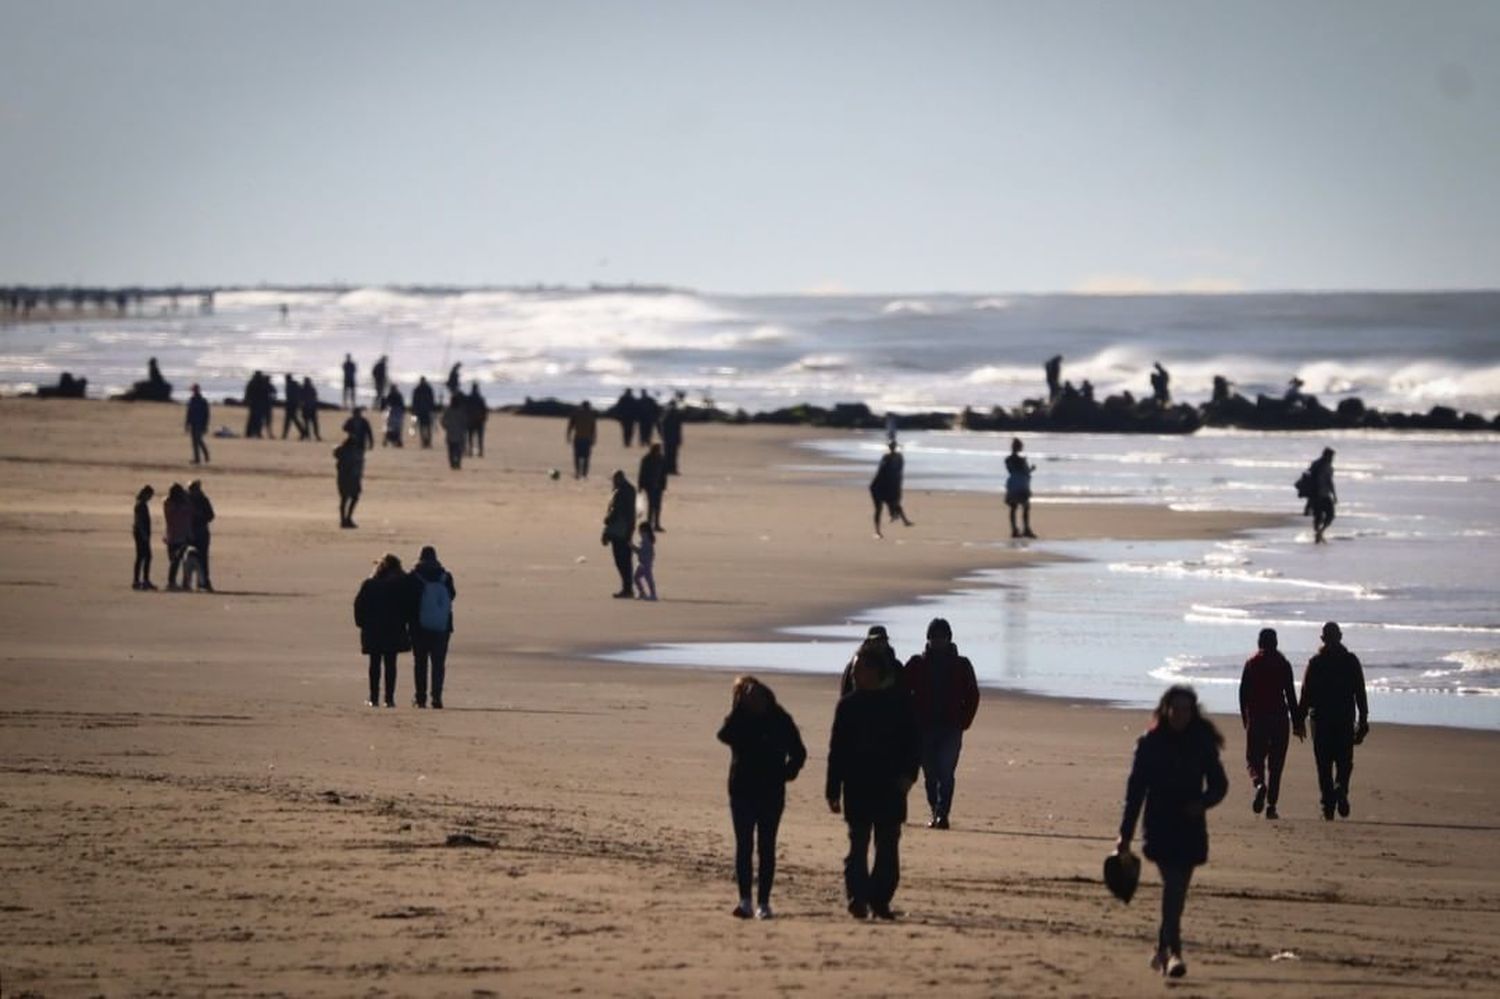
883	731
396	611
186	516
1333	700
635	562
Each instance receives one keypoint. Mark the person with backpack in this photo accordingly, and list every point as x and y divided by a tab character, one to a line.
382	613
1333	697
433	594
1269	713
767	754
1316	486
1176	775
945	694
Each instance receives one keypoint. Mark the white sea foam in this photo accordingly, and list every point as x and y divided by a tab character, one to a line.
1190	570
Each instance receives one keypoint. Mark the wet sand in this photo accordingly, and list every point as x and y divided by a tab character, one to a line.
194	800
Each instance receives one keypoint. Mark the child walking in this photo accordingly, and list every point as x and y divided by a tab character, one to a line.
767	753
645	577
141	575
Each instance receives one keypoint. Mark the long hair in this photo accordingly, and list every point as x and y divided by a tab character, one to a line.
1199	722
743	685
385	565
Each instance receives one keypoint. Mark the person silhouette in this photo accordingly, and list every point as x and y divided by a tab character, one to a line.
1269	714
885	487
196	424
1018	489
583	427
349	372
1053	368
619	528
1333	698
1323	497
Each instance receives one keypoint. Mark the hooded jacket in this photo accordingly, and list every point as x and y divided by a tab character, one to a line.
943	688
421	574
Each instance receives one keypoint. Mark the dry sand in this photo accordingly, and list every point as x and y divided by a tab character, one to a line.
194	800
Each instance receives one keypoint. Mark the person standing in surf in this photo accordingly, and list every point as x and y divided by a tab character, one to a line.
1018	489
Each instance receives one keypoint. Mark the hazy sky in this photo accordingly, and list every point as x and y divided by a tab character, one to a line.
753	146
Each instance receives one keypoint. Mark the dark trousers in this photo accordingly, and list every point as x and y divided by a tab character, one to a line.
388	660
1322	513
291	417
174	560
581	451
429	646
873	885
1174	888
621	551
310	424
424	428
142	571
627	430
669	449
940	749
756	817
202	542
1333	751
455	452
645	426
200	449
476	439
1266	741
653	507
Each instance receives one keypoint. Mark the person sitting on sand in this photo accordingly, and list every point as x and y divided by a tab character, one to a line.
1333	697
177	530
349	459
885	487
766	754
1177	776
945	694
381	613
1269	713
1018	489
619	525
645	554
140	576
877	642
873	753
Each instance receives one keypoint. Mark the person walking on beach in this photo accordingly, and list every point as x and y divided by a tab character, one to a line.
291	406
423	405
878	643
349	458
349	370
1333	697
583	427
1018	489
647	412
873	752
1269	713
1177	776
671	434
625	412
196	424
885	488
381	613
455	430
651	479
200	535
431	624
140	576
945	695
1322	496
360	430
766	753
378	375
177	529
619	526
310	411
395	418
455	382
478	411
645	563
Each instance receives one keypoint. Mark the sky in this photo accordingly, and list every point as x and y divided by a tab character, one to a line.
753	147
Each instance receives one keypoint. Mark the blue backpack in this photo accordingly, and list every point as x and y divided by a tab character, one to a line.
437	605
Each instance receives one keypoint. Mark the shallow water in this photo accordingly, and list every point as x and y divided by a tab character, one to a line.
1410	572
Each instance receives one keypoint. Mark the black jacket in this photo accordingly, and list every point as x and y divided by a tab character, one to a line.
886	486
768	751
1333	688
873	753
1172	770
382	612
652	477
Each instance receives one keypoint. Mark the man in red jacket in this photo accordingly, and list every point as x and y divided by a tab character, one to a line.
946	696
1269	713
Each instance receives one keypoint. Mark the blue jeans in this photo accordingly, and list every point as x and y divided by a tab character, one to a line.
940	749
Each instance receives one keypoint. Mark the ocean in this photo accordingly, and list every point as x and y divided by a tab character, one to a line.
1410	571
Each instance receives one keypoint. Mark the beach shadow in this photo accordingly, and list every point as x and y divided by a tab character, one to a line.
252	593
1037	835
1397	981
526	711
1454	826
716	603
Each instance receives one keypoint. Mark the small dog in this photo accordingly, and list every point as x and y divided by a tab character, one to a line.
192	568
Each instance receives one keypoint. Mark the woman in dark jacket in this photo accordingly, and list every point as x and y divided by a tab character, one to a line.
382	609
767	753
1178	777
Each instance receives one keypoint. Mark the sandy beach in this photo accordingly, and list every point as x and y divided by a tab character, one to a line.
194	800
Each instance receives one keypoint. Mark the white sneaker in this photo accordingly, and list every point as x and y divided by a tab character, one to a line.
764	912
